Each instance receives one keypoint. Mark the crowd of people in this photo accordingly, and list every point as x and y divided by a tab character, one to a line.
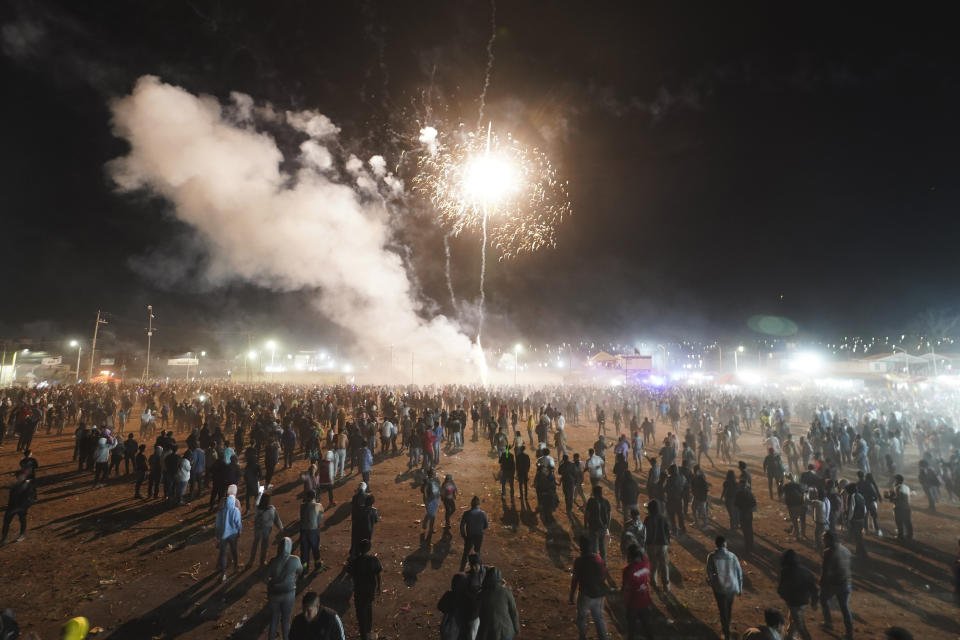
222	444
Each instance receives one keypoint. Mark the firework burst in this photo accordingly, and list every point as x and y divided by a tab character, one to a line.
478	180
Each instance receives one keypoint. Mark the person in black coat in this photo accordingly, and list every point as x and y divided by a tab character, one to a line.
523	473
508	469
745	503
22	496
798	588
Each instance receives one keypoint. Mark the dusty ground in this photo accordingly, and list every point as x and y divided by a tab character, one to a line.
139	570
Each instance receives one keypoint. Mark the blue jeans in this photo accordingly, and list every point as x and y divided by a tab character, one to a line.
843	598
309	544
593	606
281	609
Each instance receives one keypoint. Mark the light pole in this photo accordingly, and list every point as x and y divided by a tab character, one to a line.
150	317
516	361
736	360
272	345
79	347
93	347
664	349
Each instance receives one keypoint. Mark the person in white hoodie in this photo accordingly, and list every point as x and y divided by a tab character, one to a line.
101	463
181	480
228	528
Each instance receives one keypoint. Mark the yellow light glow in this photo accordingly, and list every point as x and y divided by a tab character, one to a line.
489	179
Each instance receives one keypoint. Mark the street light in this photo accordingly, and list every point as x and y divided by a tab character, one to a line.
272	345
79	348
517	348
736	360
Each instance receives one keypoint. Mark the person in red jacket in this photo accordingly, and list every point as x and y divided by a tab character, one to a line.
429	437
635	587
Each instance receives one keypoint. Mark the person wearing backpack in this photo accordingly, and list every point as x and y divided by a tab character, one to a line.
597	518
589	573
725	577
857	519
264	520
326	475
508	469
431	499
448	493
634	533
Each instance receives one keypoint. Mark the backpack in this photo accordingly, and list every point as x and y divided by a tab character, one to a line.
633	534
858	511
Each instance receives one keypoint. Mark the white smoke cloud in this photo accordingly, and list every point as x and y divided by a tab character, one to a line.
264	226
315	155
428	138
314	124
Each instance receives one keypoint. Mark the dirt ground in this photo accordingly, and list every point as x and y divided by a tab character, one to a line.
139	570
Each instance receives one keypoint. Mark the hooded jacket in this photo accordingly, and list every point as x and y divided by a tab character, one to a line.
229	522
183	470
101	454
499	619
283	571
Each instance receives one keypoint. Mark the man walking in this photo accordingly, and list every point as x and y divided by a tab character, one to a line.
508	468
473	523
798	588
523	473
636	593
901	509
836	582
597	518
725	577
22	496
658	545
589	574
793	498
745	503
311	515
228	527
365	569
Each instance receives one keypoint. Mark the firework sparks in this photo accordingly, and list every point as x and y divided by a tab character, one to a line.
473	176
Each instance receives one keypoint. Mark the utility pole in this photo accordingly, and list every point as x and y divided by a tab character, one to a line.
150	317
93	346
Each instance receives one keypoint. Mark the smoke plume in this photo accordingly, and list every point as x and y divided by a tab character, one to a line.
321	228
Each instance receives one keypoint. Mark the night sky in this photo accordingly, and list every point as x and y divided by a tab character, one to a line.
724	161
